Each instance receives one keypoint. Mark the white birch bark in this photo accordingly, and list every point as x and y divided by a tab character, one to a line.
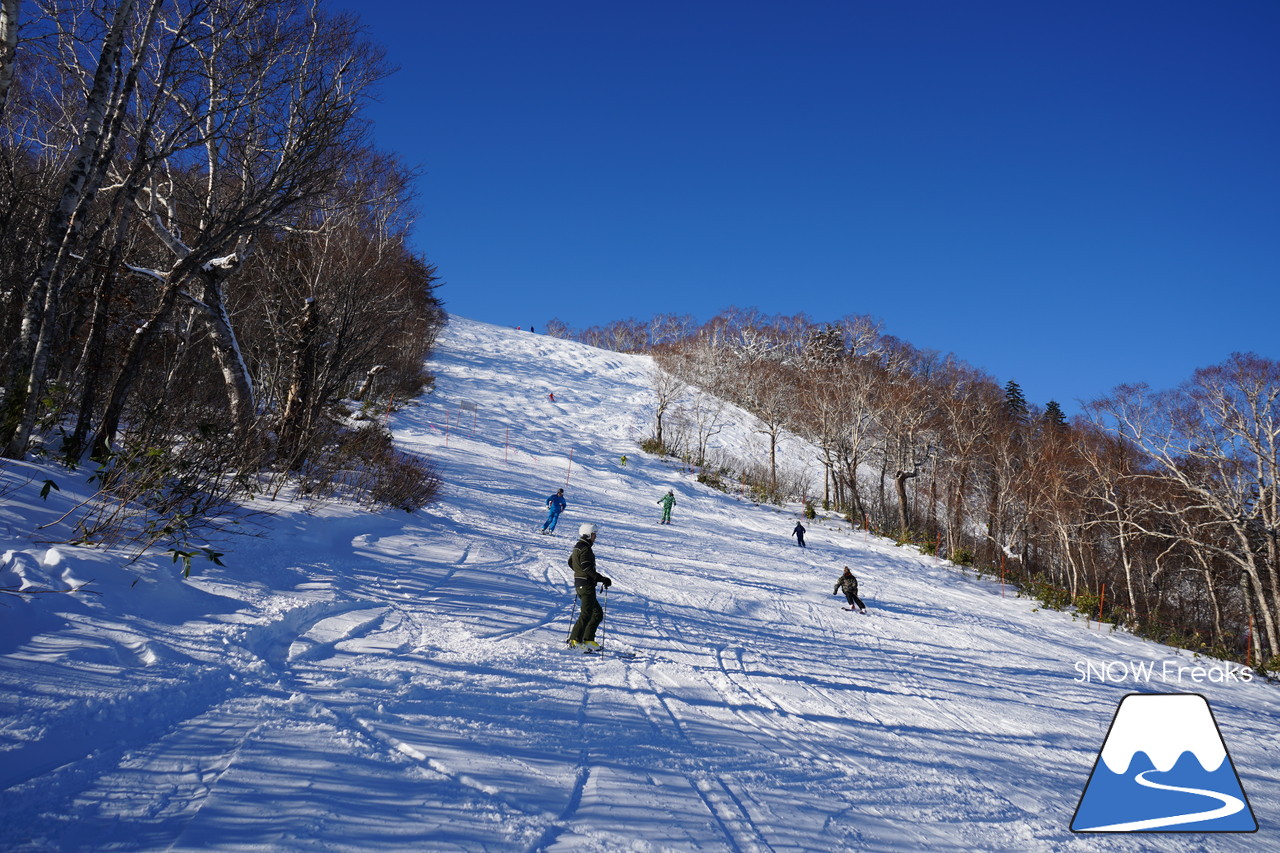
61	236
8	48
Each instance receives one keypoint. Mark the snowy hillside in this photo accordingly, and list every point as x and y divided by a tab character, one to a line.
352	681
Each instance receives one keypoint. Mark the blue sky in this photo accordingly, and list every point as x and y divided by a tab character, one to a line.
1070	195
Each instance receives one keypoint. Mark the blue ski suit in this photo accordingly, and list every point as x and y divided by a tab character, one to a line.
555	505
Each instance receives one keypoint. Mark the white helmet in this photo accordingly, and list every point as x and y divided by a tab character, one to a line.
587	529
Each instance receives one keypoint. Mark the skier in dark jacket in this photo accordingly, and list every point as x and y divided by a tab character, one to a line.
585	577
849	584
798	532
555	505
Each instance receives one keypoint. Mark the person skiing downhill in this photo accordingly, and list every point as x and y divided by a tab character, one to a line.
798	532
849	584
585	577
668	501
555	505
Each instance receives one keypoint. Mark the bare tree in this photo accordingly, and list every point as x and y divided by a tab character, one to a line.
557	328
8	48
967	401
1213	440
769	391
111	82
272	93
667	390
668	329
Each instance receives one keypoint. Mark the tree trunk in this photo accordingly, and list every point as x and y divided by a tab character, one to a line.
39	320
226	348
1265	608
143	338
904	515
8	47
91	365
294	423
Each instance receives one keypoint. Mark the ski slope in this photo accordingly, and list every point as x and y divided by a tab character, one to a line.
359	681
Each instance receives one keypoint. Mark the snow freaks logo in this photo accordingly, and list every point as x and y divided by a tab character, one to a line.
1163	768
1112	672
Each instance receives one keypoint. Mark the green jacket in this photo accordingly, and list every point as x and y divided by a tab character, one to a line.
583	562
667	501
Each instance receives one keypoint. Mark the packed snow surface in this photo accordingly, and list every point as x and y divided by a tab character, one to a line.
391	681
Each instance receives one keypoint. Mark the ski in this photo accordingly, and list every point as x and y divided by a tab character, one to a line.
605	653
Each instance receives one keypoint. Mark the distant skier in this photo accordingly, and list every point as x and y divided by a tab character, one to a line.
555	505
668	501
799	534
624	460
552	396
849	584
585	577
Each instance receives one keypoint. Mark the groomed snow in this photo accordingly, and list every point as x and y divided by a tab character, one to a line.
357	681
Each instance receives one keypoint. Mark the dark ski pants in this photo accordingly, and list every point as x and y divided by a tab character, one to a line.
590	616
854	601
800	539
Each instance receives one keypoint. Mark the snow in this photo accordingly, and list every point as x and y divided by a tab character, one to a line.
225	263
390	681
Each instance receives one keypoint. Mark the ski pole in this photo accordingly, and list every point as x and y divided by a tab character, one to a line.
604	611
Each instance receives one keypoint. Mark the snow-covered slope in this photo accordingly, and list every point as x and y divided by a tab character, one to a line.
353	681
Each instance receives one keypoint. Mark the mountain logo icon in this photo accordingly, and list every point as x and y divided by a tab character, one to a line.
1164	767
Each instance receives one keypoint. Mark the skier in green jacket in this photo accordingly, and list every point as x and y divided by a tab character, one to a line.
668	501
585	577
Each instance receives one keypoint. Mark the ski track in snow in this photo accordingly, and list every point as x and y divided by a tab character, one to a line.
359	681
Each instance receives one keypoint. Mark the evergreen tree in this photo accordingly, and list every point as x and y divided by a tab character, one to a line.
1054	418
1015	403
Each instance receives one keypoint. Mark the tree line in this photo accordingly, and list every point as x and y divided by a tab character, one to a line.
203	253
1155	509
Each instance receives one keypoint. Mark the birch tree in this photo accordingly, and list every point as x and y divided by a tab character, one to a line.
1213	440
272	95
668	389
8	48
111	81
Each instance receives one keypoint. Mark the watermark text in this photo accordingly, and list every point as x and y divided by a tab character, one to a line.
1168	672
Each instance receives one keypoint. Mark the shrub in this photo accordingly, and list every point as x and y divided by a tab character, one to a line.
156	490
405	482
712	479
652	445
363	464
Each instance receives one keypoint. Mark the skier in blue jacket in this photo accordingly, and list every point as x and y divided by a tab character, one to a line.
555	505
